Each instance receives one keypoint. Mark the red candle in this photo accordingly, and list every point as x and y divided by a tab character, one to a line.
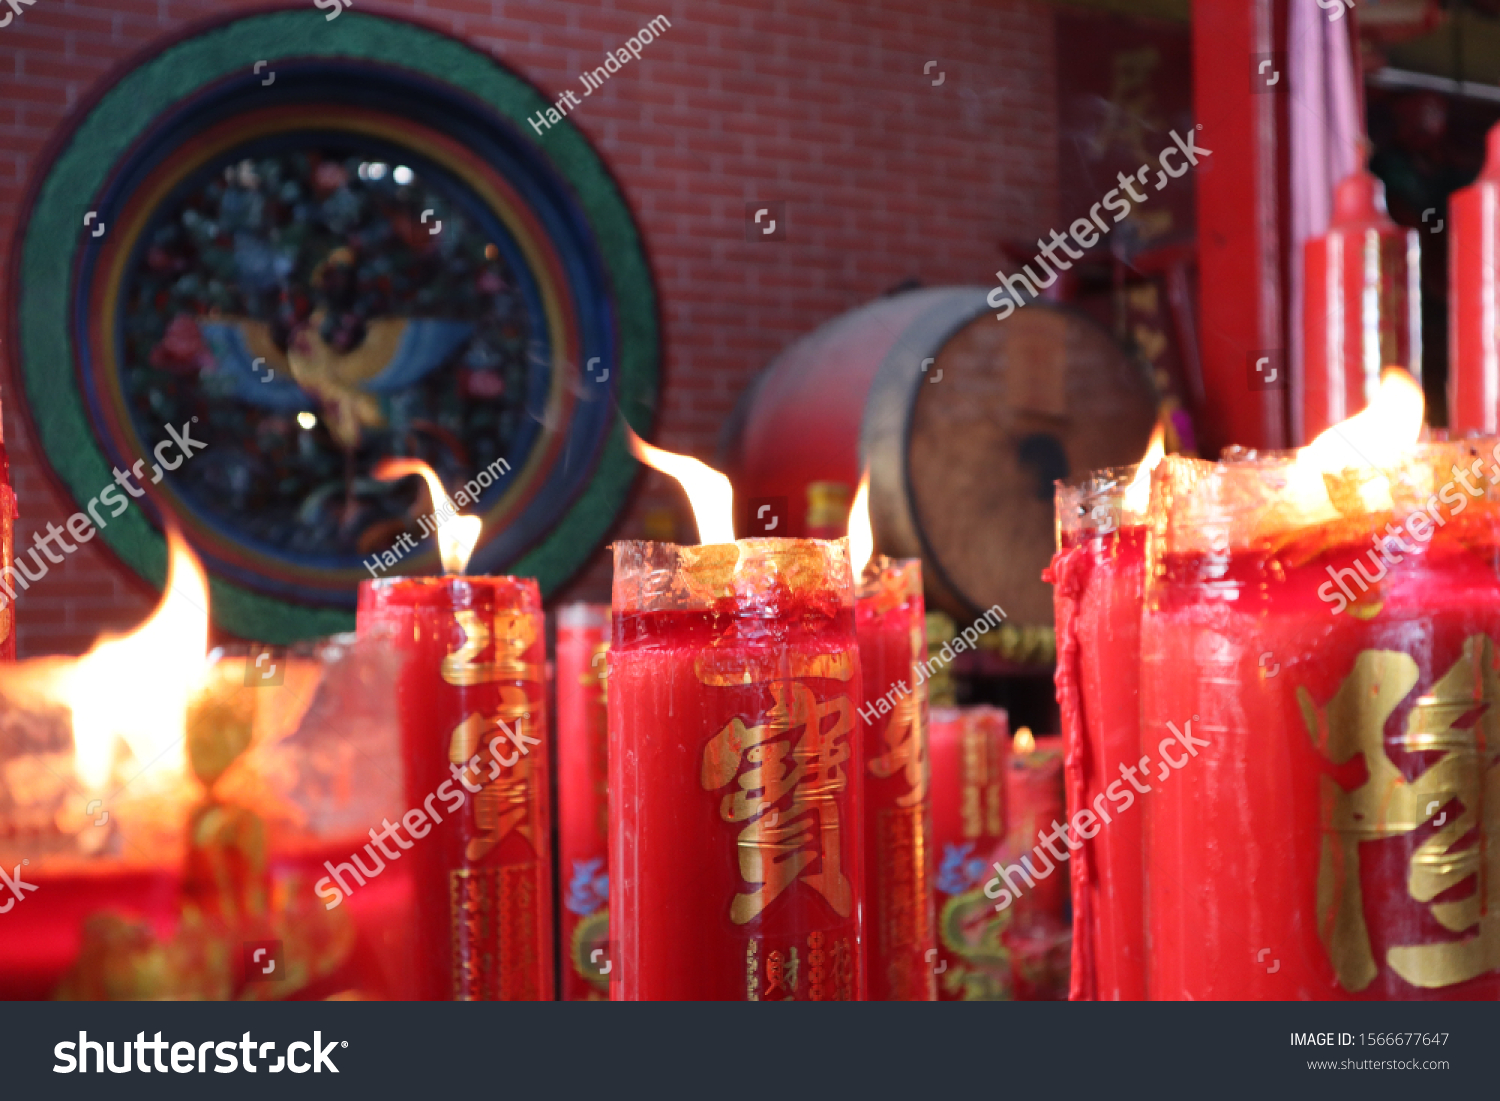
736	775
969	748
583	800
1097	577
1362	305
471	700
1318	684
1474	307
892	629
1033	811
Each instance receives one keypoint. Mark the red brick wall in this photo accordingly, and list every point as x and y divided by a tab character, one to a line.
820	103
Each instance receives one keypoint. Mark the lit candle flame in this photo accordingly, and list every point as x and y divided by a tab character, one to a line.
1378	434
861	535
708	491
1138	492
1375	437
456	534
1025	741
132	687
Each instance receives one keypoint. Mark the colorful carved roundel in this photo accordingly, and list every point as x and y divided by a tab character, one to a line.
315	245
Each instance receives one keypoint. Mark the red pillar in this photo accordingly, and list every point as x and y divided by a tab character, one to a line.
1239	97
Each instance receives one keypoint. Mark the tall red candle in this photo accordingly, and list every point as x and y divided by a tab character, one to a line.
892	630
736	773
1362	304
969	748
1097	576
472	704
1318	683
583	799
1474	300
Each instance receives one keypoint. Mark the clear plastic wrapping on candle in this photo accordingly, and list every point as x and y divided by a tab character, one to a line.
1318	684
736	772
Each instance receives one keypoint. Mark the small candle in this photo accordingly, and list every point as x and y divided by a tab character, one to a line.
1097	576
1318	686
1033	811
583	799
472	703
969	749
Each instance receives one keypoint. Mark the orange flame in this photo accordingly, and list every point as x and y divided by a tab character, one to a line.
1138	492
130	688
1025	741
1377	437
708	491
861	534
456	534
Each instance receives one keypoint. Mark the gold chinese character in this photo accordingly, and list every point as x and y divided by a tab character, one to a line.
1456	718
787	793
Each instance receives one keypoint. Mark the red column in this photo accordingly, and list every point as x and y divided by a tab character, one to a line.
1240	214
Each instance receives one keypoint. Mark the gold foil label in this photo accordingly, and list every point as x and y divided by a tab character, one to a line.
1456	718
788	789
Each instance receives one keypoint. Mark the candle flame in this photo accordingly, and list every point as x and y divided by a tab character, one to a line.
861	535
1025	741
1138	492
1375	437
708	491
133	688
456	534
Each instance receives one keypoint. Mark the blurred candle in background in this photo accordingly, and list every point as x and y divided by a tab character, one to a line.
969	747
1474	305
583	799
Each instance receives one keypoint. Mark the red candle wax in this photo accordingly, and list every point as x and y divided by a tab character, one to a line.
969	748
1097	576
472	705
736	773
583	800
1319	722
1474	303
892	626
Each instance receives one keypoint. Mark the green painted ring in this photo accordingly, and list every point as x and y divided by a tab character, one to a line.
80	166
